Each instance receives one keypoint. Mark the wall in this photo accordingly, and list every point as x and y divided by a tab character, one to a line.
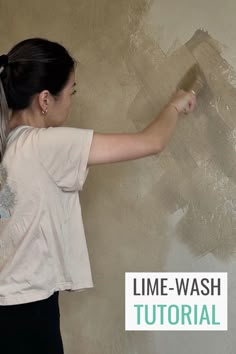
172	212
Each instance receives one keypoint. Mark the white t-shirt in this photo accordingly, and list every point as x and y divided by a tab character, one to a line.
42	242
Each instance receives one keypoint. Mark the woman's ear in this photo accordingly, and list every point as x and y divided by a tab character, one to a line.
44	98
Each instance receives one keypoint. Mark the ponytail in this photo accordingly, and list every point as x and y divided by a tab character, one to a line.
7	196
4	116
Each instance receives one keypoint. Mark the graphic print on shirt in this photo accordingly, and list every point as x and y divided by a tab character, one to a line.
7	203
7	196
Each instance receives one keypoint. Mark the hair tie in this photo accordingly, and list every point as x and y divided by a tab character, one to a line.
3	62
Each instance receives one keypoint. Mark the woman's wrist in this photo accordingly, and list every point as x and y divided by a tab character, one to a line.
173	107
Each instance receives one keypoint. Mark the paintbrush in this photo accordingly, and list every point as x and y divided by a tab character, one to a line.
193	81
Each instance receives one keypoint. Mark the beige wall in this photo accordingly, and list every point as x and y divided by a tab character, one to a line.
173	212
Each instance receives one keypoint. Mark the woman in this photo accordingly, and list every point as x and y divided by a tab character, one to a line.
43	166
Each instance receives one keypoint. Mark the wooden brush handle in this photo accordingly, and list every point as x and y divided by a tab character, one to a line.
197	86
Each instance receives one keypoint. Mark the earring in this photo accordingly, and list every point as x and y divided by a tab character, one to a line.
44	111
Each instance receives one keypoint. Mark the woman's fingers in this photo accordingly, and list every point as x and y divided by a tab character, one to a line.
184	101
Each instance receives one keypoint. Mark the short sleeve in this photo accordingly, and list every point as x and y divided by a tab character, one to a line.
64	153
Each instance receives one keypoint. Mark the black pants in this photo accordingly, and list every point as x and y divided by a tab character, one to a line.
31	328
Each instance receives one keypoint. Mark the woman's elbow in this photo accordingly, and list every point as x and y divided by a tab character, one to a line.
152	145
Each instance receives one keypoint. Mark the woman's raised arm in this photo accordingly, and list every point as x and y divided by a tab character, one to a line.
109	148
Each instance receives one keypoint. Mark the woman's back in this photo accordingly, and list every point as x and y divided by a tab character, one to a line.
43	246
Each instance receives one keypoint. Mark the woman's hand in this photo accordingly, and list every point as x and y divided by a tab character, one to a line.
184	102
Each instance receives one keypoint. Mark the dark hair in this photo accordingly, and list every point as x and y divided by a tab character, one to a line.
34	64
